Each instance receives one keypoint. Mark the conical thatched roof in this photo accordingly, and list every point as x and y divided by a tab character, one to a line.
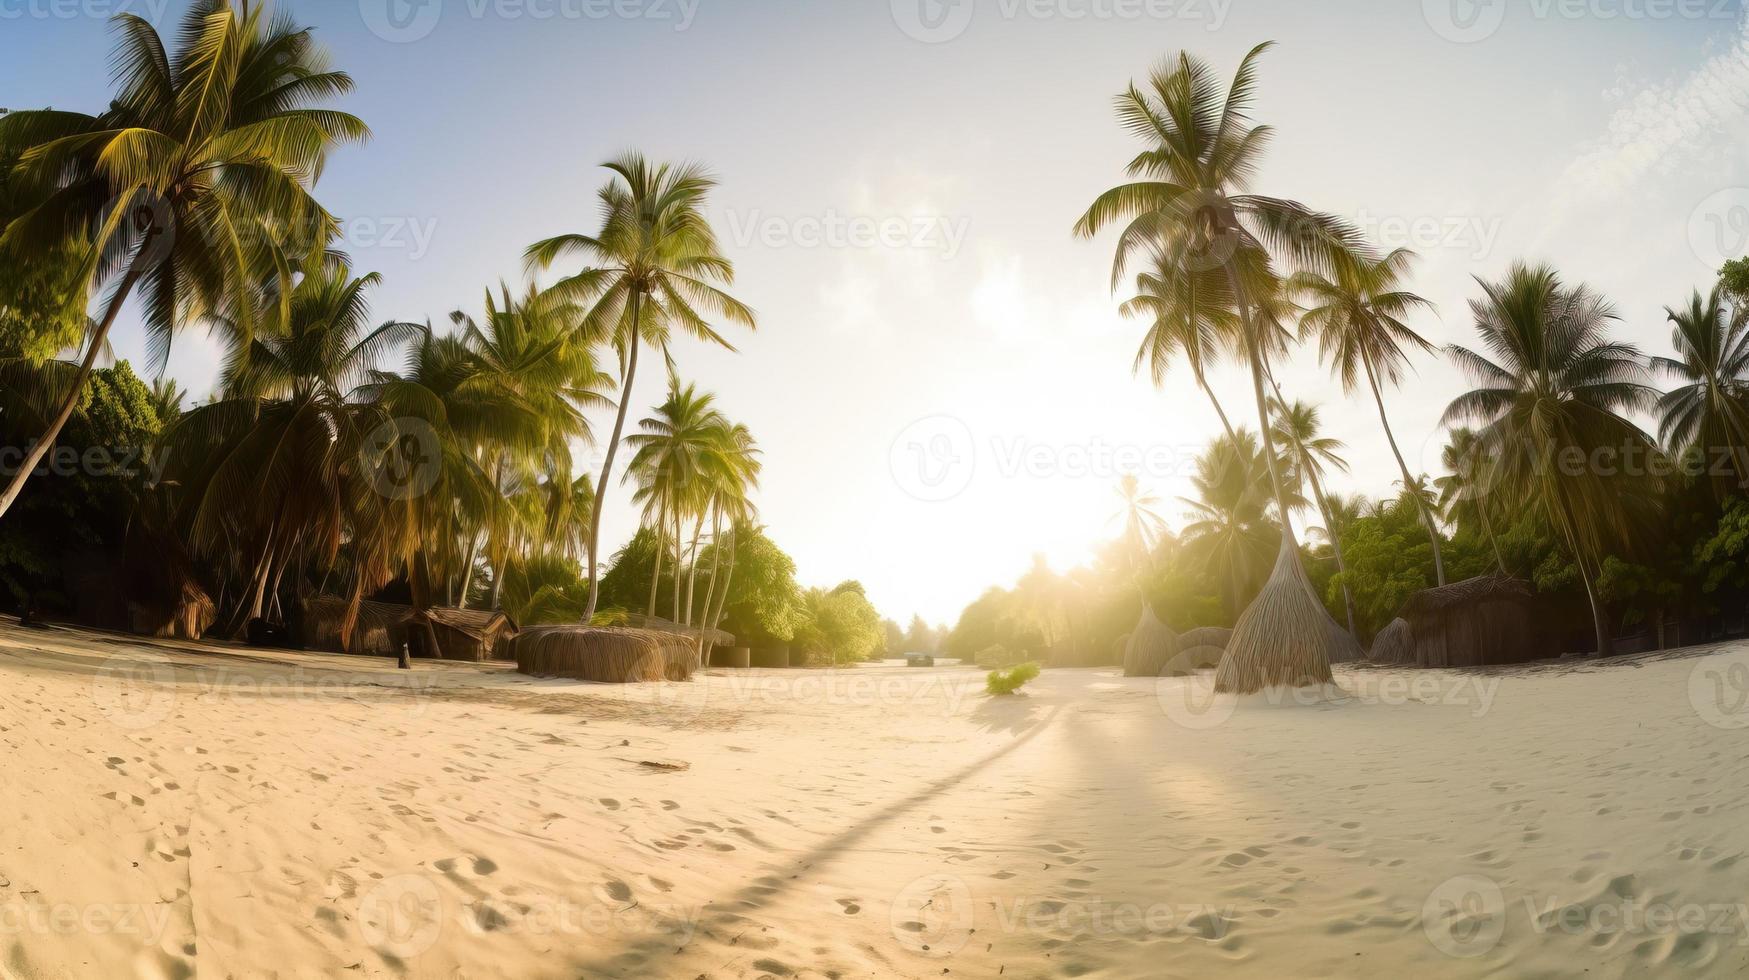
1285	637
1395	644
1151	646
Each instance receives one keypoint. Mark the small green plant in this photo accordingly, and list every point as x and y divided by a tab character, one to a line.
1002	683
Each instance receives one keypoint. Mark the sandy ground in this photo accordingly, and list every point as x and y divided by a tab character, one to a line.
183	810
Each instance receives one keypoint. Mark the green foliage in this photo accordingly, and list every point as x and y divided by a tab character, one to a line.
1002	683
544	590
763	602
1389	559
838	626
1723	557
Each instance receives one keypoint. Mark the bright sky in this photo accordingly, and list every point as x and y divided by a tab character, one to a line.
940	379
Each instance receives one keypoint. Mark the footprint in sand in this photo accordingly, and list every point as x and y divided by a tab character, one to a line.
849	905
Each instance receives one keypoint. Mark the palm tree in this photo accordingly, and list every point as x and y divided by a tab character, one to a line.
1190	198
732	503
672	460
193	183
1553	388
1463	492
1190	312
1357	314
1142	522
654	266
1230	529
1708	412
278	464
1297	428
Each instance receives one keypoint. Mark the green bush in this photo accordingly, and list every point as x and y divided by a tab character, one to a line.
1005	682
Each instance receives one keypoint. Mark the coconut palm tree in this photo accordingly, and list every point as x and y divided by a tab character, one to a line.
1357	314
1190	315
1552	395
194	182
1190	196
1230	528
1142	523
732	505
280	462
652	268
1708	413
1298	430
1463	492
673	458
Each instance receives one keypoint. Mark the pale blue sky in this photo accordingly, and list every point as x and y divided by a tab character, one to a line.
1594	133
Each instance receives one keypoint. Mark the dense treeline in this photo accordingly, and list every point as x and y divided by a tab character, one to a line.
341	454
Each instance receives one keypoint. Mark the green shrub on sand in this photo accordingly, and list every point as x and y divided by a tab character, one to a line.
1001	683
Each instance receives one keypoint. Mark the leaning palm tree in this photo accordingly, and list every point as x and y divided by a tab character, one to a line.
1297	428
1357	315
191	185
1707	415
1554	389
1190	197
653	267
1230	530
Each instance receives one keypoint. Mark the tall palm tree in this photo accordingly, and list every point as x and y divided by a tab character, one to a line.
1142	523
1189	196
1463	492
654	266
194	181
1357	314
672	460
1190	315
1708	413
732	505
1297	428
1553	388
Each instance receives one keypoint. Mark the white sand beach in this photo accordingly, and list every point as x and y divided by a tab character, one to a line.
178	810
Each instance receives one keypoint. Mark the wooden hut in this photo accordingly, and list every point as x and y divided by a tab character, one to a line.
1474	623
469	635
1151	646
381	630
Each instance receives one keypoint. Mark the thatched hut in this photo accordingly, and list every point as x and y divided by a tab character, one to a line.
1151	646
381	630
1395	644
1474	623
1285	637
469	635
610	655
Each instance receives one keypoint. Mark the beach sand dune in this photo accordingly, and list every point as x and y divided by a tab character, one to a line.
180	810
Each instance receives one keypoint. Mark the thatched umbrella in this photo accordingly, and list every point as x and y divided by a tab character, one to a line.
1285	637
1395	644
1151	646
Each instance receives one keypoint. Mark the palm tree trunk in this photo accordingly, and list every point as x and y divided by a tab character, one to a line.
1493	542
661	529
692	569
1408	481
1599	619
619	424
710	589
677	559
1216	402
468	570
1335	544
1257	371
70	401
716	618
